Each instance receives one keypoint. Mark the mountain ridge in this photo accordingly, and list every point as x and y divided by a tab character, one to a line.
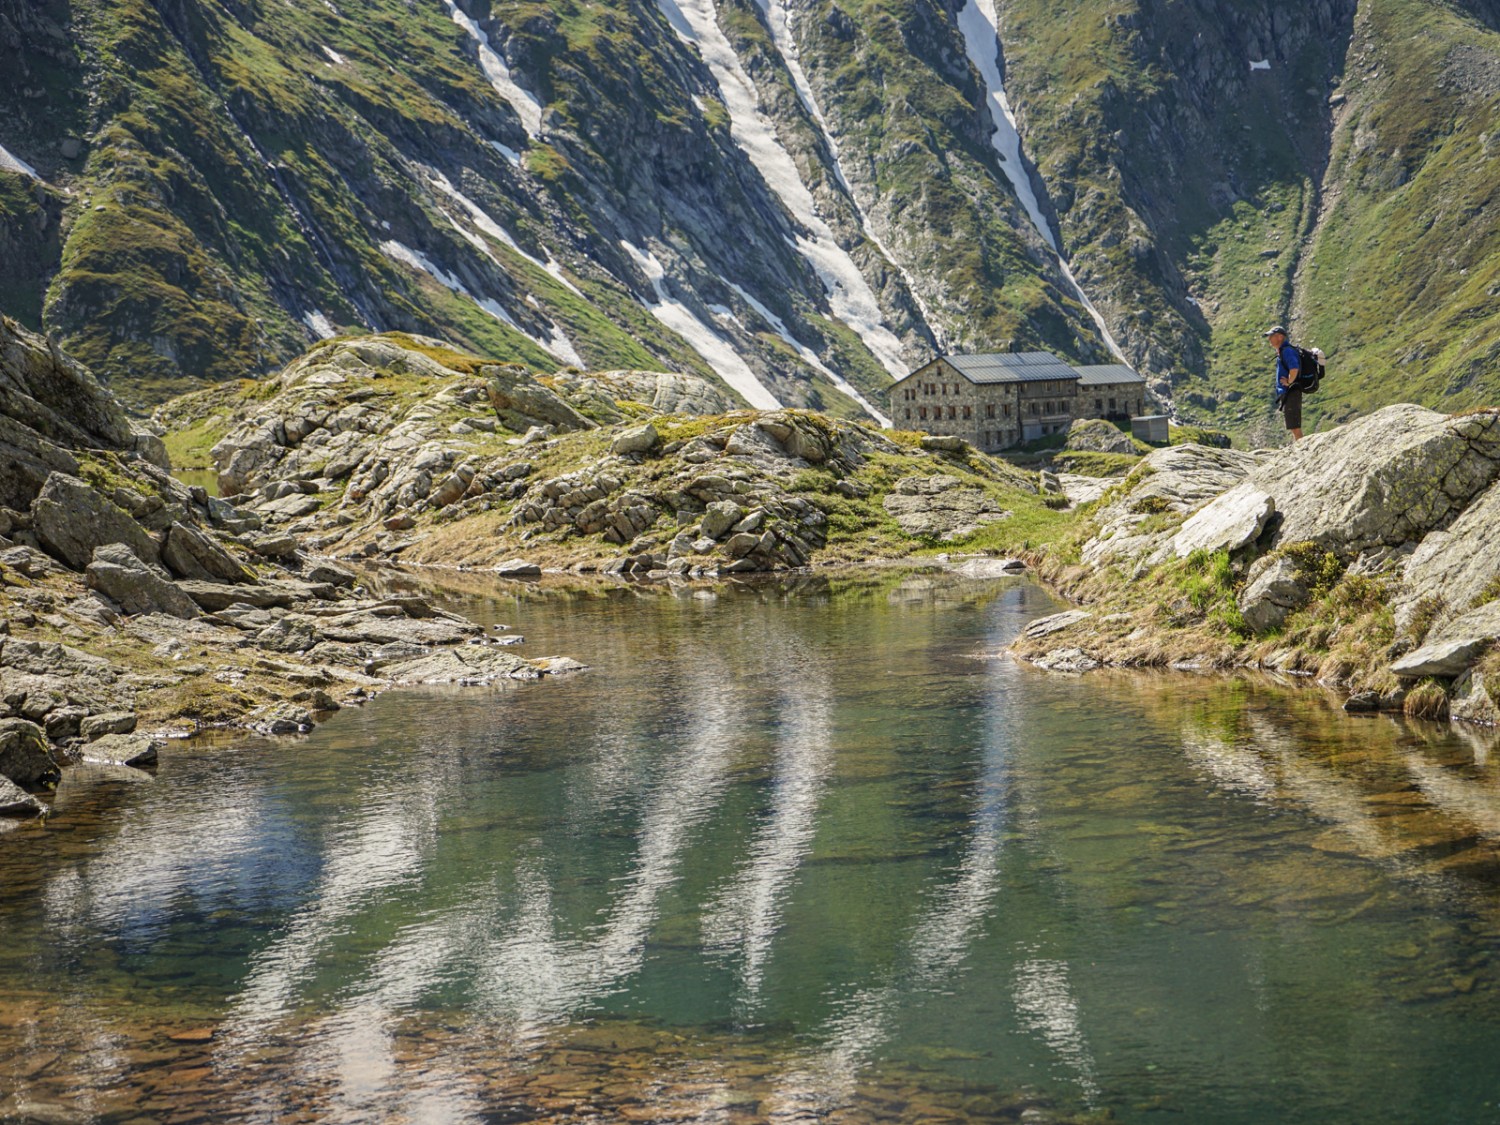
794	196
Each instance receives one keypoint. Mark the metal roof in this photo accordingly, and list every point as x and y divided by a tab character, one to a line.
1107	373
1010	367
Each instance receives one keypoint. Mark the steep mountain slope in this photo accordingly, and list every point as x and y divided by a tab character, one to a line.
1219	168
798	197
612	184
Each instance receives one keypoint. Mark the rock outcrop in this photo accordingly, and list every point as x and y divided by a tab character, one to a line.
398	446
1094	435
1394	513
1173	482
195	615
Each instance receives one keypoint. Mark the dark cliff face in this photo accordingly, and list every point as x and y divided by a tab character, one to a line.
801	195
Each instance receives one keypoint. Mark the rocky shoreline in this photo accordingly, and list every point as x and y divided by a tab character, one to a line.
1364	557
138	608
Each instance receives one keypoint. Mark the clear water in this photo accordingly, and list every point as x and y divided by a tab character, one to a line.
791	851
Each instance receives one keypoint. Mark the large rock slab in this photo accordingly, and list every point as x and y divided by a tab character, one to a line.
55	396
190	553
1444	659
941	507
1459	562
1231	522
1180	479
71	519
468	664
1094	435
665	392
24	755
521	402
214	596
117	574
1453	647
1382	480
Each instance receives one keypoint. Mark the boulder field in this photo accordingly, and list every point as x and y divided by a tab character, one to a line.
1366	555
398	447
134	606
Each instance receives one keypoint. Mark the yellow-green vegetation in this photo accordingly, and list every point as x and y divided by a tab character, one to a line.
1340	190
1086	463
1344	634
1427	700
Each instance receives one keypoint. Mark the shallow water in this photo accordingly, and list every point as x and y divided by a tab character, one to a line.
784	851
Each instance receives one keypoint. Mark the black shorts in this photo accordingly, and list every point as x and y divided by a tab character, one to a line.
1291	406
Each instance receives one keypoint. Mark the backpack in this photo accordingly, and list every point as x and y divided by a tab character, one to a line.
1309	370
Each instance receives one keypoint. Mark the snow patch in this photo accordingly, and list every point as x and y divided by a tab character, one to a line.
333	56
13	163
982	42
557	344
849	294
809	356
1261	64
319	324
779	19
525	103
728	364
506	151
481	219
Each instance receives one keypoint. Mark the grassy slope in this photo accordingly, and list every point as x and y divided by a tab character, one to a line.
898	91
1378	247
1404	275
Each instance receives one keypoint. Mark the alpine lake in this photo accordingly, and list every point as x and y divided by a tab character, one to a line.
814	850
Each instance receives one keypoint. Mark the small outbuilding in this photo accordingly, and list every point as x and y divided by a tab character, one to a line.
1151	428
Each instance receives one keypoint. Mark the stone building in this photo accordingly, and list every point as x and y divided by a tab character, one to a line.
1001	399
1110	390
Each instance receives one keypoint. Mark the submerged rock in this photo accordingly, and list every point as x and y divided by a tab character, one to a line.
123	750
15	801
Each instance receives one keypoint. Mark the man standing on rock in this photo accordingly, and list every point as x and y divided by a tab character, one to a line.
1288	394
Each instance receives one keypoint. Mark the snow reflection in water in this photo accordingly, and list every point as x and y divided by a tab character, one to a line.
776	846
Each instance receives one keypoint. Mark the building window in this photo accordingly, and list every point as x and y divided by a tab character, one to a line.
1111	404
1099	404
1035	409
952	413
989	410
908	413
968	412
1007	410
922	412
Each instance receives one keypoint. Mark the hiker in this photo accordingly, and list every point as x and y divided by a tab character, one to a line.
1288	367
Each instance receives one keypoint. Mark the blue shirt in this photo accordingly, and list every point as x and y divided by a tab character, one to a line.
1287	361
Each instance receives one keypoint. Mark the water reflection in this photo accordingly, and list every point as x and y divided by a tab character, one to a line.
784	848
531	976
